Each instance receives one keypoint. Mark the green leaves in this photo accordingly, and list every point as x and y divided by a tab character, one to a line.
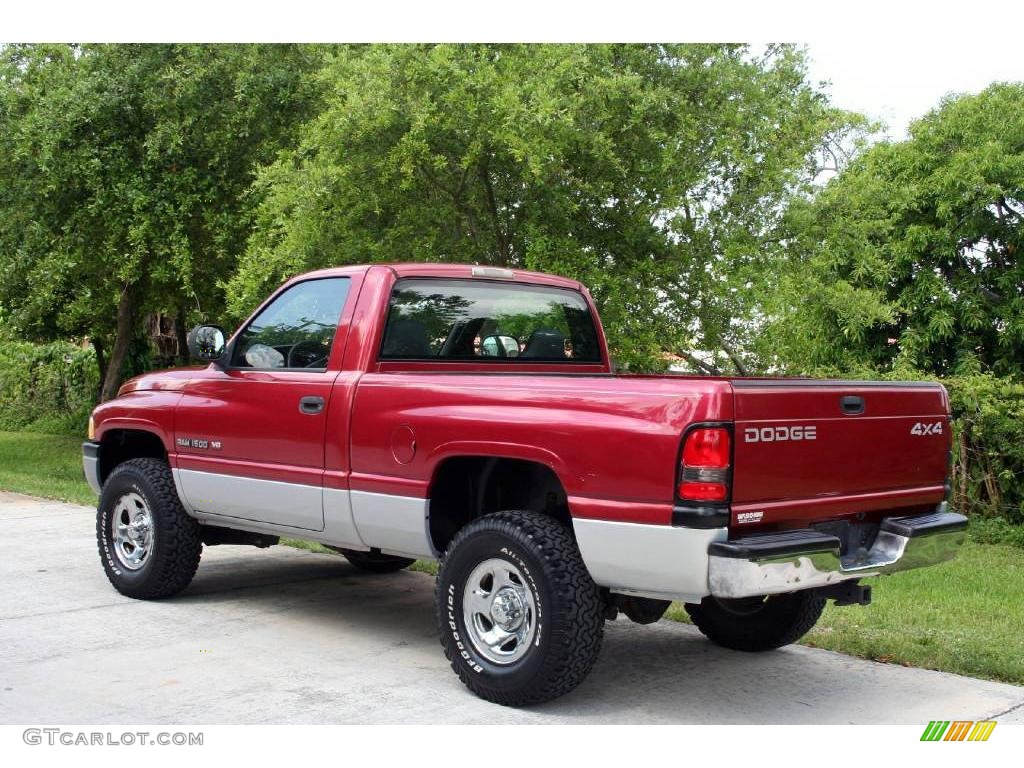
988	449
652	173
130	165
927	234
46	387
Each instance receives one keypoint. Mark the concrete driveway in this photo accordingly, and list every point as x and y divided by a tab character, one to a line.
286	636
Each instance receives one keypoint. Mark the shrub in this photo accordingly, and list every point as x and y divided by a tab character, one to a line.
47	387
988	446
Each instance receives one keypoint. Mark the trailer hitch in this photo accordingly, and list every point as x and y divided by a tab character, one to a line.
846	593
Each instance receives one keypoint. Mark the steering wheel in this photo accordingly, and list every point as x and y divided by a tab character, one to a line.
315	358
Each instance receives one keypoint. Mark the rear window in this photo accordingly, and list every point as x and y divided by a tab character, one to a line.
431	319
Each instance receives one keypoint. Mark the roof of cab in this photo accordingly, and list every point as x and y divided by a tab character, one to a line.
472	271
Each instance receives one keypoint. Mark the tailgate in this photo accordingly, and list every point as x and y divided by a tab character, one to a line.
808	451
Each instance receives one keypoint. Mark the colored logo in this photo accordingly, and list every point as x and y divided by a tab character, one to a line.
958	730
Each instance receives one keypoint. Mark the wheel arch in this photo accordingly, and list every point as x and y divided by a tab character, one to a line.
465	487
118	444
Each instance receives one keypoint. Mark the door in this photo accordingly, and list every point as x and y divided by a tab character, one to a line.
250	438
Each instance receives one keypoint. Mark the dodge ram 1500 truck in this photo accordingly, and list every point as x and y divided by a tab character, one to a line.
471	415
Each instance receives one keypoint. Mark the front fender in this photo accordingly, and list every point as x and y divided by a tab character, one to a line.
142	411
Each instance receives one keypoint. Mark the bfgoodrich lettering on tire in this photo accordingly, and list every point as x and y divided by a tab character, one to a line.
148	544
520	619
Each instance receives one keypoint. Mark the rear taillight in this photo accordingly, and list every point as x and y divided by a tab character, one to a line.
704	474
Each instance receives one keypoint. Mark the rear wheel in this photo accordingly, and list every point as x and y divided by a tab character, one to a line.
521	621
375	562
757	623
148	544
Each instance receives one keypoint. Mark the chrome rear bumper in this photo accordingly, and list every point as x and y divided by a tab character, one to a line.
803	559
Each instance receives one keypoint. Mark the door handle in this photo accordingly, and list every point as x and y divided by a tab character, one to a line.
851	404
311	404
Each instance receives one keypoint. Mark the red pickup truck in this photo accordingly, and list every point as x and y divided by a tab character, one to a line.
471	415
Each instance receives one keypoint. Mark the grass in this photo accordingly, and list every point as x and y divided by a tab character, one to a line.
44	465
309	546
425	566
965	616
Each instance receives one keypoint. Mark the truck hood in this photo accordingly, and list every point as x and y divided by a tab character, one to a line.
172	379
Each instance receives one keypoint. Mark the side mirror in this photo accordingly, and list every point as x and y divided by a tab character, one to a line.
206	343
499	346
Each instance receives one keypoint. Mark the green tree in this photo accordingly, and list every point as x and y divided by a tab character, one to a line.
909	259
124	180
653	173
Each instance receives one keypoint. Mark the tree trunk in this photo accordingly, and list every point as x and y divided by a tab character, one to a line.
122	338
182	336
741	369
960	496
503	244
712	370
101	363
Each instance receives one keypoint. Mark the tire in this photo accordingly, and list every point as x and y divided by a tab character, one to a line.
155	560
534	569
375	562
757	624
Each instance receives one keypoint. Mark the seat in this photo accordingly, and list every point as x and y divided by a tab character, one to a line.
544	344
406	337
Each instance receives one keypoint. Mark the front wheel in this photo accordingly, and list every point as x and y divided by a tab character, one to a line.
757	623
148	544
521	621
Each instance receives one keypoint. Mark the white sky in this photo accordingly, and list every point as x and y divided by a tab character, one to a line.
890	59
896	81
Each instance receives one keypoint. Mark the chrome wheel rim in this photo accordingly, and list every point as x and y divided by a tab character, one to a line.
131	528
499	611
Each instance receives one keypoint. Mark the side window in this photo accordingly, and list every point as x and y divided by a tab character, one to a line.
432	319
296	329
